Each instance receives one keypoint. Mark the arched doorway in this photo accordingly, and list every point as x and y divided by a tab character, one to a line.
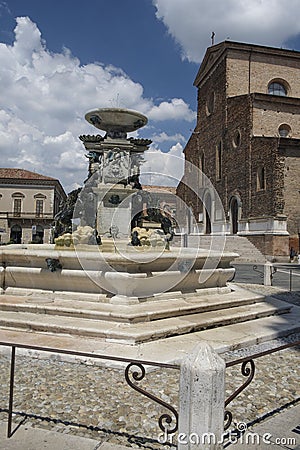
16	234
235	205
38	234
207	205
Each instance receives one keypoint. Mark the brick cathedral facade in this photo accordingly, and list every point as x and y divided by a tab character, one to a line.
247	142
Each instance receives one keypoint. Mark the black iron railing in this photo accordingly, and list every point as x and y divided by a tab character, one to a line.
166	422
291	274
248	370
290	271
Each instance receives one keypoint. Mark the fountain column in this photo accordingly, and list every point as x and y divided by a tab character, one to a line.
114	167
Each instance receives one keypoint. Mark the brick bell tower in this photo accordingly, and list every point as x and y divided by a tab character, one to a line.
247	142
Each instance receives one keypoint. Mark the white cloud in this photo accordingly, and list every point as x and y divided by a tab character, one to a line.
45	97
176	109
28	41
163	169
191	22
164	137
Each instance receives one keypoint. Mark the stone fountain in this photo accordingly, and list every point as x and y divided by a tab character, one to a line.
114	167
95	283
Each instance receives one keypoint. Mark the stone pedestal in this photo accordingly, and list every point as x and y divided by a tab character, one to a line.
110	217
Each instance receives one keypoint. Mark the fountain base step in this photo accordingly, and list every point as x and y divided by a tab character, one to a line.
163	306
138	323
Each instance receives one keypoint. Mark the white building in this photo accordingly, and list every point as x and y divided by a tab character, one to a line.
28	204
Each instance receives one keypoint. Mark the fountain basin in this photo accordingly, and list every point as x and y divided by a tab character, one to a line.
127	277
115	119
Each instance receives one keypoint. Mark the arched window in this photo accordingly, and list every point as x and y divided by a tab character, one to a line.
16	234
219	160
210	103
261	179
278	88
208	213
235	206
236	141
201	169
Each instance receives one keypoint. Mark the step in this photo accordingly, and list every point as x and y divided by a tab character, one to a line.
169	350
232	243
163	306
141	332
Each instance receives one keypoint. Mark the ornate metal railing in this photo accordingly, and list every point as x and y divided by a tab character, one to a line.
248	371
166	422
292	272
138	376
261	273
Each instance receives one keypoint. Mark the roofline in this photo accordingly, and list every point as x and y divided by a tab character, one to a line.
243	46
33	181
261	48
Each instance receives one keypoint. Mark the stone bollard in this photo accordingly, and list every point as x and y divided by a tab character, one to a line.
268	267
202	392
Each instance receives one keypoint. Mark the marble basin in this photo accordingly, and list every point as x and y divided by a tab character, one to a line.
124	277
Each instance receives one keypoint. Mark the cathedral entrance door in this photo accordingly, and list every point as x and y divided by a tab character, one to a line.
207	205
234	209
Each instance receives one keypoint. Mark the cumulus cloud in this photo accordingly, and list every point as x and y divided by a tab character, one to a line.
176	109
163	169
191	22
164	137
45	96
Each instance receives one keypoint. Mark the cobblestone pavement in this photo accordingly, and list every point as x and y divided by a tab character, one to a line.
96	402
291	297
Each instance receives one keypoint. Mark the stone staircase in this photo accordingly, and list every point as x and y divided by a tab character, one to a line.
148	321
233	243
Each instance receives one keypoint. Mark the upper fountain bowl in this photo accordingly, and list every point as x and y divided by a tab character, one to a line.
116	119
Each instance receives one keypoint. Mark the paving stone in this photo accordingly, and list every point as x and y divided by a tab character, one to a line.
96	402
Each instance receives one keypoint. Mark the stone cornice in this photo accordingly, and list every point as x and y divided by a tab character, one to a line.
91	138
276	99
140	141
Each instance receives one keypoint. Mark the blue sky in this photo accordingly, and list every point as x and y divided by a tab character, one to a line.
60	59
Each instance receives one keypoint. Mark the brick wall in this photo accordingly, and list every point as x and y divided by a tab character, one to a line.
212	126
237	173
262	68
268	201
268	115
290	153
